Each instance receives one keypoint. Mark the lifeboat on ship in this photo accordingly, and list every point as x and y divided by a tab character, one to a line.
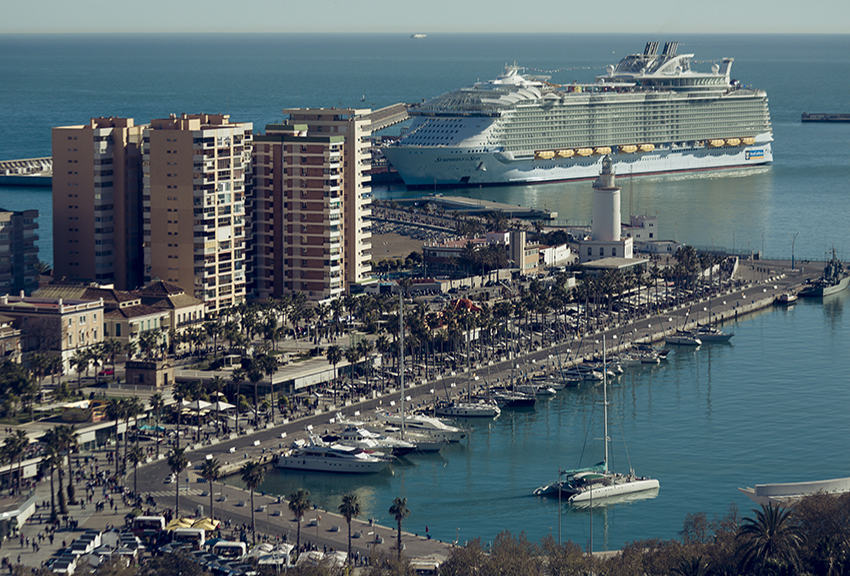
544	155
602	150
584	151
716	143
647	147
733	141
628	149
748	140
566	153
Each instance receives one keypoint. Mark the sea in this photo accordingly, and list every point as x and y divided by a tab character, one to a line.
772	406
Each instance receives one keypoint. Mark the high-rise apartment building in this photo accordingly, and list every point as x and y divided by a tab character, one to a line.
18	251
355	126
193	205
96	187
296	204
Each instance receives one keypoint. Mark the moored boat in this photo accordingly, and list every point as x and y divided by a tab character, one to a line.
833	280
522	128
318	456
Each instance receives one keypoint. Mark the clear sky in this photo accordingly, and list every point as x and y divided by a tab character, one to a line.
428	16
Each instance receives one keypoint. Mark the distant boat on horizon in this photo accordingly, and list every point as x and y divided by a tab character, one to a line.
418	36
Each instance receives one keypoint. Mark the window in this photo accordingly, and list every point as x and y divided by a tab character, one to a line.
602	251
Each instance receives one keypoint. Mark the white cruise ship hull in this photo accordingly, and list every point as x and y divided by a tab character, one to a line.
619	489
423	167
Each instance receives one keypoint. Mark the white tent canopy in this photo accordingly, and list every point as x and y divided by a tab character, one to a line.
196	405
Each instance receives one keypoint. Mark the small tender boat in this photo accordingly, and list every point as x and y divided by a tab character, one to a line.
786	298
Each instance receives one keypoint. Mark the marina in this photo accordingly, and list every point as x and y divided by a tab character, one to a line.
759	407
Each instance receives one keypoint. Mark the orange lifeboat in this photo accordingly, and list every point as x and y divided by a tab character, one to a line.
602	150
584	151
544	155
628	149
748	140
716	143
647	147
566	153
733	141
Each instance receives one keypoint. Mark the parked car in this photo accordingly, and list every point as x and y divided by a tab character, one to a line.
106	372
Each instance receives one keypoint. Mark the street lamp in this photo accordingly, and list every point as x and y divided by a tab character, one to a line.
793	239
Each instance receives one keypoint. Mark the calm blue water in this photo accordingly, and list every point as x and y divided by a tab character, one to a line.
770	407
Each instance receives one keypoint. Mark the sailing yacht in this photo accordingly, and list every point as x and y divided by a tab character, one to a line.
599	481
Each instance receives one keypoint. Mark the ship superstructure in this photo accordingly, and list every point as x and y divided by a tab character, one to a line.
652	113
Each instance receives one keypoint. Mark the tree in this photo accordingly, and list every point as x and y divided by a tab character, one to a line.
334	356
769	542
55	449
255	375
14	448
216	386
211	471
67	437
51	457
132	408
237	377
115	411
253	474
399	511
157	403
177	461
136	456
299	503
350	508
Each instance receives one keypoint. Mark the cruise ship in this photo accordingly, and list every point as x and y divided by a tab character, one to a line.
651	112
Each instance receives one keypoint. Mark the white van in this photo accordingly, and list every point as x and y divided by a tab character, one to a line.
194	537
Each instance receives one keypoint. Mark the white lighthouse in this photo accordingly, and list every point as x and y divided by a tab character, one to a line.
605	239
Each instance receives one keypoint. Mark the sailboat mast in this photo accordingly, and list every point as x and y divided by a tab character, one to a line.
401	351
605	397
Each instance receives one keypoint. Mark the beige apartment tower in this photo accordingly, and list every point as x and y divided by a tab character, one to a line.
355	126
96	188
297	208
193	205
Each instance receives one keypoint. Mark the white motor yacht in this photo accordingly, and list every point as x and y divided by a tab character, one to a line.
315	455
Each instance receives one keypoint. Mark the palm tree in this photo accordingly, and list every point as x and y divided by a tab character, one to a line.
156	404
178	393
334	356
399	511
216	386
115	411
132	408
136	456
211	471
57	448
769	542
14	447
237	377
253	474
350	508
255	375
299	503
51	459
177	461
68	441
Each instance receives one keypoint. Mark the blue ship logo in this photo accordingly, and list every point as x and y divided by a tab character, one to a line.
754	155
